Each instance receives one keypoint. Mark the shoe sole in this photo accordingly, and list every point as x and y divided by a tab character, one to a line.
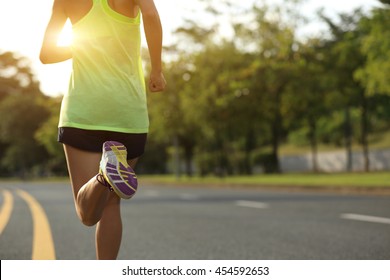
118	173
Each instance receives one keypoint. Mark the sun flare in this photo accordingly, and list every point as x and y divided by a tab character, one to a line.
66	36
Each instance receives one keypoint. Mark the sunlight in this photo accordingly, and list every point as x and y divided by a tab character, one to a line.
66	35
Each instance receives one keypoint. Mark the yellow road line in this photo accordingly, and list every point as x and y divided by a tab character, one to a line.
6	209
43	245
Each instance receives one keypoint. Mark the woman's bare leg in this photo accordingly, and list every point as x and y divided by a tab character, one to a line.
94	202
109	228
108	236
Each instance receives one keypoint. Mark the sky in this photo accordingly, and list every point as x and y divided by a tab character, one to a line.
23	22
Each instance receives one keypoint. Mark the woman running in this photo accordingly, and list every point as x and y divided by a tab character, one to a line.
104	119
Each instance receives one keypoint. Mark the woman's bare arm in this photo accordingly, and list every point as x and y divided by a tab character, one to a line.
50	51
153	33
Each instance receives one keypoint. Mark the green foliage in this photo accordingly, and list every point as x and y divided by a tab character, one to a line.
46	136
21	115
374	75
228	99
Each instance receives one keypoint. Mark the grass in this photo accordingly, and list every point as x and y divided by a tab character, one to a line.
374	179
380	179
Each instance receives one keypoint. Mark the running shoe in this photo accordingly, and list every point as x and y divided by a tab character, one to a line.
116	171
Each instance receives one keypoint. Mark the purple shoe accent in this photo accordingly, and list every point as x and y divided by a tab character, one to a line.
132	181
109	144
115	177
124	188
111	165
111	170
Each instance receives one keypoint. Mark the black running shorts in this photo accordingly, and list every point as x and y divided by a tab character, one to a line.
92	140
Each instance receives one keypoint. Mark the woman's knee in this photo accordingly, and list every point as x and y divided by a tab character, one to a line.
91	218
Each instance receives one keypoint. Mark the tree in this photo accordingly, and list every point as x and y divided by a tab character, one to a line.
305	103
273	43
203	82
22	111
21	115
373	75
218	96
343	60
376	46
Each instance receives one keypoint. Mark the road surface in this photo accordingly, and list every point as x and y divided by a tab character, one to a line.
38	221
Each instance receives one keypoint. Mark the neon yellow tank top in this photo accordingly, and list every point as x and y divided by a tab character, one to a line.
107	86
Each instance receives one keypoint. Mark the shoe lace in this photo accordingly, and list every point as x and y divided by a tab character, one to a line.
101	180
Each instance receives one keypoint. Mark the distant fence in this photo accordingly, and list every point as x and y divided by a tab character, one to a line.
336	161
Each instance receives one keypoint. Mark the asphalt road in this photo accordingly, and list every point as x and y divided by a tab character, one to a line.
184	223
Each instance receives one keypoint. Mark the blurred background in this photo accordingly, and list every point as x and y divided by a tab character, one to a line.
254	87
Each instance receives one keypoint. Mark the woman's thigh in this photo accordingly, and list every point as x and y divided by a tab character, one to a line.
82	166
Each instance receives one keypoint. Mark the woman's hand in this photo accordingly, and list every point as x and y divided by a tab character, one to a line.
157	82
